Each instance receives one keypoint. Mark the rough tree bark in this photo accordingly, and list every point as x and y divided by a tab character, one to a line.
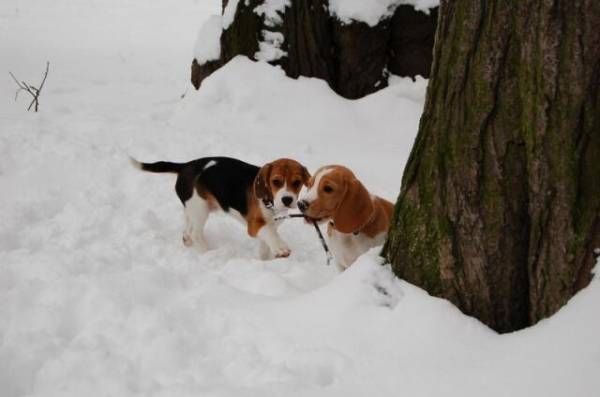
499	209
353	58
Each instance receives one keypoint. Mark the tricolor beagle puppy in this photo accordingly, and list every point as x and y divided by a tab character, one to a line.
250	193
357	220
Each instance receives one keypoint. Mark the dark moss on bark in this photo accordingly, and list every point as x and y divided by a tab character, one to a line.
500	195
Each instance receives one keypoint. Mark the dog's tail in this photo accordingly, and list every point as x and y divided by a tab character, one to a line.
160	166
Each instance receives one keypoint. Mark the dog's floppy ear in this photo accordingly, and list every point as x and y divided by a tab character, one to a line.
261	183
355	209
305	176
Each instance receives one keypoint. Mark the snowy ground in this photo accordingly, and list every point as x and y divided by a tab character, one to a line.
98	297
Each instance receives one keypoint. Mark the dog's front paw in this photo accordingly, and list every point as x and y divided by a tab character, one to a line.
282	252
187	240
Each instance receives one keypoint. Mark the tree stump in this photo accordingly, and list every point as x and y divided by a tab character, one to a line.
354	58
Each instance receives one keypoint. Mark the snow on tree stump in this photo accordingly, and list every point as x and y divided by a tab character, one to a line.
353	46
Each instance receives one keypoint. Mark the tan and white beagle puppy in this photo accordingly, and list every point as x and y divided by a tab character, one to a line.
357	219
252	194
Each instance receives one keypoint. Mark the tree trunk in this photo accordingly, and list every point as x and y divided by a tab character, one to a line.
499	210
354	58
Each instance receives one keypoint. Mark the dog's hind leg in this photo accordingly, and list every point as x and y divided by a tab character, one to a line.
196	214
187	232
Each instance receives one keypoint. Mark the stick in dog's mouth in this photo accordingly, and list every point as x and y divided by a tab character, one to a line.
314	221
306	218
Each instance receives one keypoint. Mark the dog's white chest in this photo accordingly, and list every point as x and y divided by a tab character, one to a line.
348	247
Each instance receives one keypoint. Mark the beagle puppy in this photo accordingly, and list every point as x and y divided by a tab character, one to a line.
357	220
251	193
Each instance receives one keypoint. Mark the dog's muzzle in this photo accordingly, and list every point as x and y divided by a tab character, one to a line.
303	205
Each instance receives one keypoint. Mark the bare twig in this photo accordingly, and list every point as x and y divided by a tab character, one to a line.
35	92
184	94
18	84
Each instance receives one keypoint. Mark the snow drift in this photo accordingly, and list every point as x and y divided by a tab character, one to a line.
99	297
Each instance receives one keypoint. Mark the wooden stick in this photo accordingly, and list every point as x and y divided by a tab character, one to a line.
324	244
314	222
288	216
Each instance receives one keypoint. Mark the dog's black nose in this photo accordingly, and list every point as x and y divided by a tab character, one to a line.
303	205
287	200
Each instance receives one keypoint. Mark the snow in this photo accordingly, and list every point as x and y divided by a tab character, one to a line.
373	11
98	296
422	5
270	48
229	13
271	11
208	44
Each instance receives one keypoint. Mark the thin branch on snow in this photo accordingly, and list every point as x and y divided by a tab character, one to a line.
35	92
184	94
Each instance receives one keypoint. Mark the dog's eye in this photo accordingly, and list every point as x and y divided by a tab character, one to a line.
328	189
277	182
296	184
